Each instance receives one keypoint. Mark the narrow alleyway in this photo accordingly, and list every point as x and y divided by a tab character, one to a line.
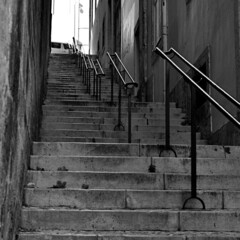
86	182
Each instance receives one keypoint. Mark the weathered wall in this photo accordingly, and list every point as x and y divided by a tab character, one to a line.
199	24
130	15
97	47
24	49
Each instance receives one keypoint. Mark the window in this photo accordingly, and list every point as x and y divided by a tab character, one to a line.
66	46
55	45
157	21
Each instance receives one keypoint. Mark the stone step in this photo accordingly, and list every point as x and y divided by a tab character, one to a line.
61	70
180	136
106	104
36	219
53	89
96	180
108	114
125	199
62	74
61	84
41	219
112	121
128	235
176	140
82	97
109	109
135	164
47	125
64	78
58	82
123	149
74	92
128	180
77	91
86	97
93	101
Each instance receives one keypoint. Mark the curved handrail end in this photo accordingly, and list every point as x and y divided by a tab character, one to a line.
133	84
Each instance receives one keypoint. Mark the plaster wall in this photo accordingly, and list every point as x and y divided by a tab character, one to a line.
130	16
200	24
102	11
24	49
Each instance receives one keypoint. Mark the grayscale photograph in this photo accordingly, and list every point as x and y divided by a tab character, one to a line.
120	120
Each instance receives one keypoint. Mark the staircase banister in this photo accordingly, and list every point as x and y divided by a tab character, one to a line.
90	64
124	67
196	86
84	60
94	68
212	83
99	64
131	84
113	63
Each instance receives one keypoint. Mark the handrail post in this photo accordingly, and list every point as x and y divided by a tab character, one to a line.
94	84
167	111
112	76
193	152
100	88
129	116
89	81
119	104
97	91
167	108
84	71
119	126
87	78
80	63
94	77
84	76
193	144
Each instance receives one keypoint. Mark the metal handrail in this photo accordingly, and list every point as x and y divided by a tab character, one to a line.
95	80
128	86
84	69
124	67
195	86
84	60
94	67
213	84
97	89
191	81
116	68
133	83
89	62
100	67
87	72
80	62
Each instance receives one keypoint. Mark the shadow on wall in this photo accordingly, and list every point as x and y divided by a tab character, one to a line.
24	52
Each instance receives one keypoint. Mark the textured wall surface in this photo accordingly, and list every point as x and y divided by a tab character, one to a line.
200	24
24	50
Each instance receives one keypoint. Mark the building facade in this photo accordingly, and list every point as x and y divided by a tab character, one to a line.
205	32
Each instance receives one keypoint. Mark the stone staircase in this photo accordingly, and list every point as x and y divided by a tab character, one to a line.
85	182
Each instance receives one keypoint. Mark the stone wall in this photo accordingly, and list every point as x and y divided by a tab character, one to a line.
197	25
24	49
